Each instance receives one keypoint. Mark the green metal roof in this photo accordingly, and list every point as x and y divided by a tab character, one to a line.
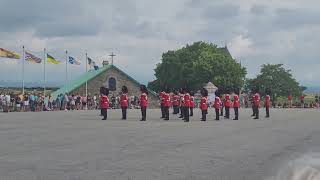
72	85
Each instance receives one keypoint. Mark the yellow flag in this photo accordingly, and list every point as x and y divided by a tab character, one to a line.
8	54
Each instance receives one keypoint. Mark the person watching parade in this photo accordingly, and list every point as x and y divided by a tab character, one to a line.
124	102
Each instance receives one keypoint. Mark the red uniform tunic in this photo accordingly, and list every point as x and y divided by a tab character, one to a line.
267	101
144	100
175	100
227	101
256	99
166	100
236	102
302	98
104	102
289	97
161	95
217	102
124	100
186	100
192	104
203	103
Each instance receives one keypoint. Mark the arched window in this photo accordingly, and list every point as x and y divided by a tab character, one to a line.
112	84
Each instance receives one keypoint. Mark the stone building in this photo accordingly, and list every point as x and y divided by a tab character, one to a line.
108	76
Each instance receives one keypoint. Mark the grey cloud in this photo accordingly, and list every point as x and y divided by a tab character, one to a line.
258	9
221	12
295	18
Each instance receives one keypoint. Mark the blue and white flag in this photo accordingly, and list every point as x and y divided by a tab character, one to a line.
93	64
72	60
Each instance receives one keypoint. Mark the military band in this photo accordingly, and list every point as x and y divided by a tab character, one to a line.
184	101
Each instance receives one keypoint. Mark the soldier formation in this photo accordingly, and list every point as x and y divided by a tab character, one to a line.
183	101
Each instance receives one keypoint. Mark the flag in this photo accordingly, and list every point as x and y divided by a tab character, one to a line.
72	60
8	54
52	60
93	64
32	58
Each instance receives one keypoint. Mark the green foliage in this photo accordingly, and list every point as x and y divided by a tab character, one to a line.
194	65
277	79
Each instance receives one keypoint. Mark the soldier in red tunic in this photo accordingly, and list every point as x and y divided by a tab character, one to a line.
166	104
143	102
236	105
124	102
181	94
204	104
227	105
256	103
161	96
267	103
217	105
104	102
186	104
290	100
192	104
176	102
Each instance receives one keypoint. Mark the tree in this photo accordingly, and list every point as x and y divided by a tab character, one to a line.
194	65
279	80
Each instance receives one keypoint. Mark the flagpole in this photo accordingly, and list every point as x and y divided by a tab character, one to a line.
66	71
86	80
44	72
23	59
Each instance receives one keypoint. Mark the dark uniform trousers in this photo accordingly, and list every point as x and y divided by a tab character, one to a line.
256	112
104	113
191	111
186	113
144	113
181	112
175	109
236	113
221	111
166	112
124	112
227	112
267	112
204	115
162	111
217	113
253	110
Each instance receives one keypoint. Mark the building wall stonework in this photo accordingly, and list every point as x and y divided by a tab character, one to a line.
121	80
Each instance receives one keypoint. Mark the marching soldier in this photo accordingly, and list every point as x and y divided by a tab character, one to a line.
217	105
204	104
104	102
166	104
143	102
161	96
267	103
181	94
186	104
222	105
227	104
124	102
176	102
256	103
236	105
192	104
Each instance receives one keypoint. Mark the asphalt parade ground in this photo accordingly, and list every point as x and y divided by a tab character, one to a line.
78	145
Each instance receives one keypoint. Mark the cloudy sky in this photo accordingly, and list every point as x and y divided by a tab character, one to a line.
139	31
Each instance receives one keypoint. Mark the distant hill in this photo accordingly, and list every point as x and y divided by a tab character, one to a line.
12	84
